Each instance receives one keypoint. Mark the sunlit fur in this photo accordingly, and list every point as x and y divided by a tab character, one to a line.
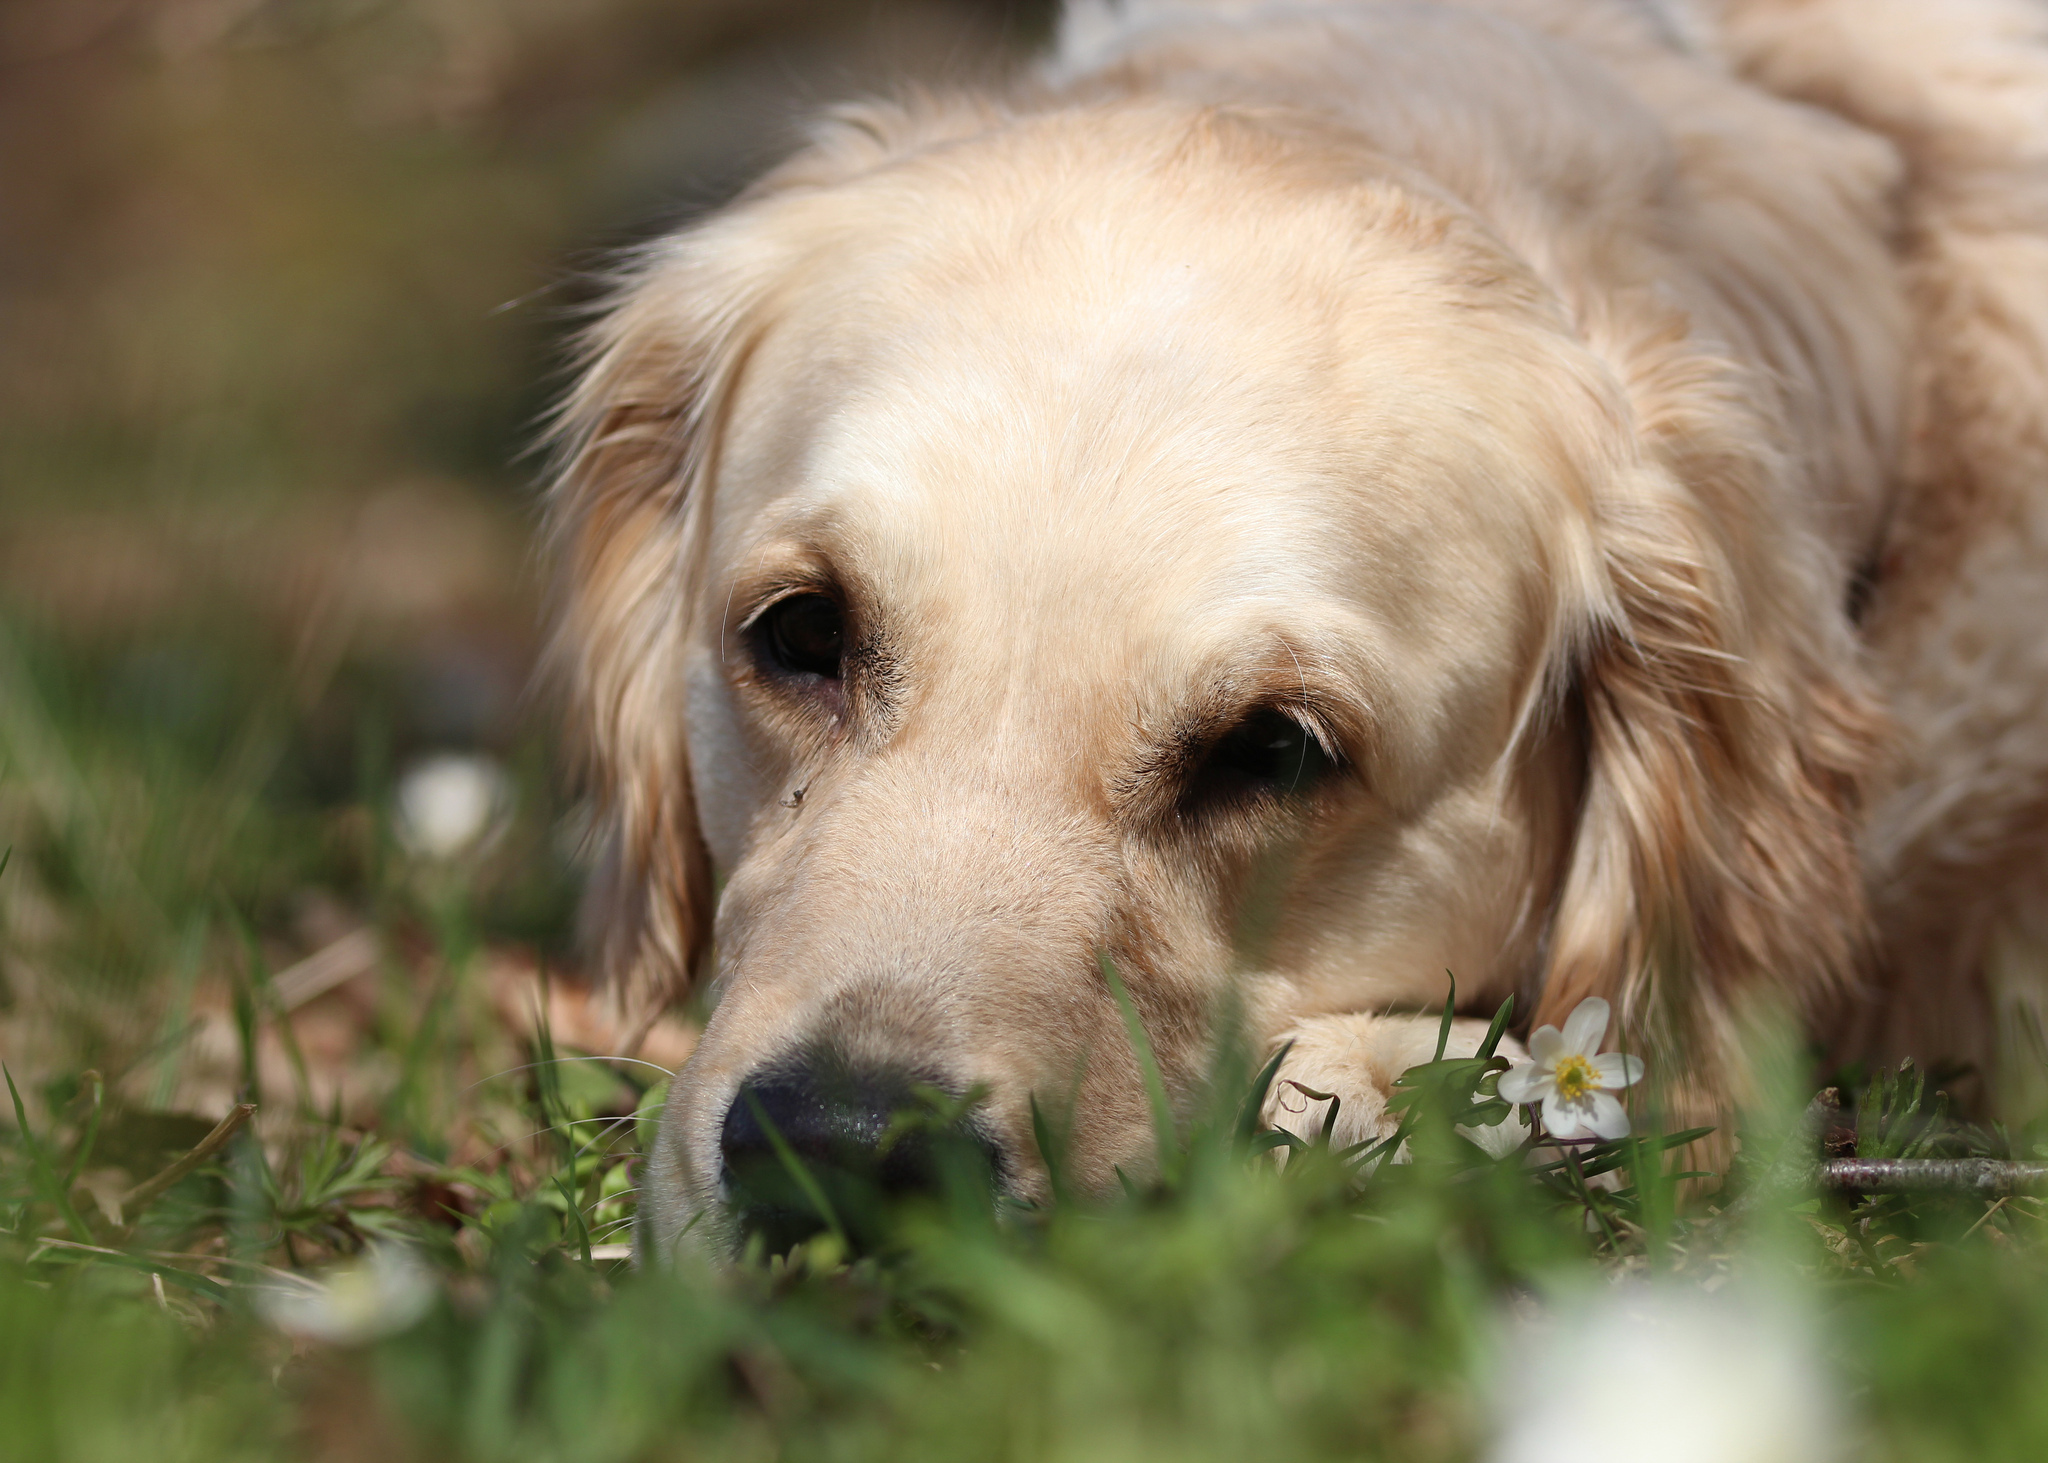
1635	479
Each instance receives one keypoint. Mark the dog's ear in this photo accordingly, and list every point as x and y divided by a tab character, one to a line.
626	517
636	444
1727	737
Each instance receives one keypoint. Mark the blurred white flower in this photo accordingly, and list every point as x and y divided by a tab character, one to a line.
451	802
1667	1374
1573	1079
380	1293
1503	1138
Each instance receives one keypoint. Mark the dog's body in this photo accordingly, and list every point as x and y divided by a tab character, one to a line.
1310	496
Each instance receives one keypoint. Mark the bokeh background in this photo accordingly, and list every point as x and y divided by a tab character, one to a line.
283	291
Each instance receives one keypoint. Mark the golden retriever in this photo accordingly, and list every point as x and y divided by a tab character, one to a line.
1295	498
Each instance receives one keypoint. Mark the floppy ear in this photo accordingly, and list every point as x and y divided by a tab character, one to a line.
1727	735
636	443
625	521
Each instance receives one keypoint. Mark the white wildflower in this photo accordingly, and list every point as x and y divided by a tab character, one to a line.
1683	1376
380	1293
450	802
1573	1079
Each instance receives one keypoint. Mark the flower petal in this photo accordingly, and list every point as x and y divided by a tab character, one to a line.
1585	1027
1563	1118
1544	1045
1618	1071
1608	1118
1526	1083
1503	1138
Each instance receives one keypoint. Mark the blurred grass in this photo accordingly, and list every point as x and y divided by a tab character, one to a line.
1231	1311
280	282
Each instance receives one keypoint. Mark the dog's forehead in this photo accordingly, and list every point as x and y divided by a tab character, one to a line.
1191	418
1191	422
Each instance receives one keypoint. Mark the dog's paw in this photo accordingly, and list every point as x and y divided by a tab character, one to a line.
1353	1061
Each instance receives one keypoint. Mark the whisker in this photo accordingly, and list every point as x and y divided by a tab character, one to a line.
612	1123
534	1066
634	1116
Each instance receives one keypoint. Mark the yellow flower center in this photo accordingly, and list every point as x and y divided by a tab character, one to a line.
1576	1076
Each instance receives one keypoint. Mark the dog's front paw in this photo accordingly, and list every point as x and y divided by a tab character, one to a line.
1353	1061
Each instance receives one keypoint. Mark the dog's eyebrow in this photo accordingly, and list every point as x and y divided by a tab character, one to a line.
1299	684
778	571
757	596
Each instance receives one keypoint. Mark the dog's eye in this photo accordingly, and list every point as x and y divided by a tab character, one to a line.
1269	751
804	635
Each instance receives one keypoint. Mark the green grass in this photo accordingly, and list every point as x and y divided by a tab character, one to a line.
1234	1313
1232	1309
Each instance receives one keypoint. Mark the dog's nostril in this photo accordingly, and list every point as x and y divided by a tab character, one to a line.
862	1142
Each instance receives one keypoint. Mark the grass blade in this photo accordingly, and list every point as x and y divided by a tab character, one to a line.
1148	1065
213	1290
264	1002
1498	1028
575	1217
1255	1099
801	1176
92	1132
43	1173
1052	1151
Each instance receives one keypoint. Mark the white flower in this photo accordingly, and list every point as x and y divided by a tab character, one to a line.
1683	1376
380	1293
449	802
1573	1079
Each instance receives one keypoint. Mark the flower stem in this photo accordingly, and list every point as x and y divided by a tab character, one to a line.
1571	1163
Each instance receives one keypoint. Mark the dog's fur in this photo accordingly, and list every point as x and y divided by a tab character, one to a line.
1617	431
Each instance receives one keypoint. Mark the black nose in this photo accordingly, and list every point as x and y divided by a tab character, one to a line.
818	1146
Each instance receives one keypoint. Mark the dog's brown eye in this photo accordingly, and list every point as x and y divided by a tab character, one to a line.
1268	751
804	635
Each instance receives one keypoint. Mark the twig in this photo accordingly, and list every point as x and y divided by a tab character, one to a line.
333	964
1987	1178
139	1198
183	1256
1982	1217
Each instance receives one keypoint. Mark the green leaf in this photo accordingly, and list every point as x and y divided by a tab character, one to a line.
1273	1138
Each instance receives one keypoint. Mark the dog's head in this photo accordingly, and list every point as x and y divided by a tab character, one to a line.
1135	533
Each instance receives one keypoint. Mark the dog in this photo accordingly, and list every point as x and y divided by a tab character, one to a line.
1289	500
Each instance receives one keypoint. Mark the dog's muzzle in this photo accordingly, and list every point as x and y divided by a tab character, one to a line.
818	1146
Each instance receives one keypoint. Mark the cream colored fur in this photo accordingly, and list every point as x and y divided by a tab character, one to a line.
1618	430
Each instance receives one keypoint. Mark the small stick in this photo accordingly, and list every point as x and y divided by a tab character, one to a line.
2000	1204
1988	1178
139	1198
